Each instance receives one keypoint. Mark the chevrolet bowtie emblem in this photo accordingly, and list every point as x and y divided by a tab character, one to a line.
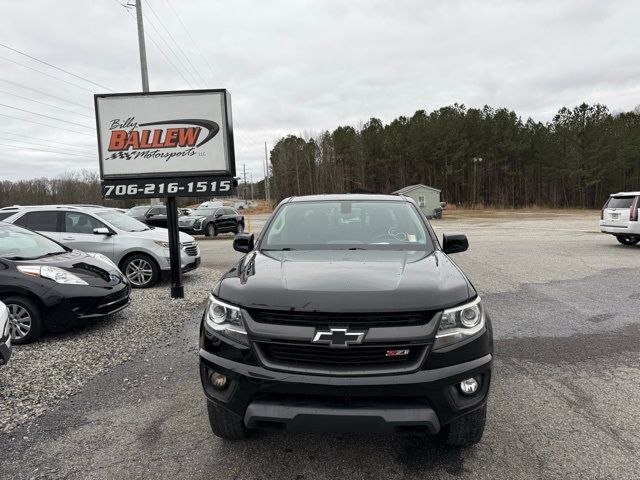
338	337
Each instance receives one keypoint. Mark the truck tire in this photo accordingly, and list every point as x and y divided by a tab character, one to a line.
467	430
627	240
225	424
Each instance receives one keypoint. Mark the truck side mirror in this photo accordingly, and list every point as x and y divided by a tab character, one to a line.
454	243
243	242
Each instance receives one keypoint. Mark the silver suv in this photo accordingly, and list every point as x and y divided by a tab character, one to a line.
140	251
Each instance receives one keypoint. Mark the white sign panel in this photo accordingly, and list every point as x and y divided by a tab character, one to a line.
165	134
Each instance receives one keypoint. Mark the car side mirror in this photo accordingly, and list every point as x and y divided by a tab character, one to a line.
243	242
101	231
149	215
454	243
217	215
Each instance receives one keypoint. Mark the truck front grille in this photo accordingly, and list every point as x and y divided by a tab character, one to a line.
363	359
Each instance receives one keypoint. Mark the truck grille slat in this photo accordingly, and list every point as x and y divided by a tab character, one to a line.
361	320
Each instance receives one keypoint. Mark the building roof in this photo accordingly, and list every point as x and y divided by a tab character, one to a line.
410	188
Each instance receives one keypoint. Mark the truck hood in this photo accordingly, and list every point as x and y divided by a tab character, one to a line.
345	281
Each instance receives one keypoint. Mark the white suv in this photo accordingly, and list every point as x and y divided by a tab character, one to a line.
619	217
140	251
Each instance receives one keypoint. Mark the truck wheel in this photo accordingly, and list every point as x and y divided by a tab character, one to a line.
225	424
25	320
628	240
467	430
210	230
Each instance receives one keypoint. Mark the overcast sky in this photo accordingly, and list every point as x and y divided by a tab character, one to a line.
299	66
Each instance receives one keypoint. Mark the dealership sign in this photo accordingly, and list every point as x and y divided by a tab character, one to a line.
165	143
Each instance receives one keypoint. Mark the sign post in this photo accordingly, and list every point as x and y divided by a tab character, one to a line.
166	144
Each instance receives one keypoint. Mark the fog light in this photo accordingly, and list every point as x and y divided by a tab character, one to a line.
218	380
469	386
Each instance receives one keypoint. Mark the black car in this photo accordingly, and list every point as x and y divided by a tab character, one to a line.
347	314
152	215
211	221
46	285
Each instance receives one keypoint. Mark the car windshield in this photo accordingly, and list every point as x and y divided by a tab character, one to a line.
347	225
140	210
121	221
18	243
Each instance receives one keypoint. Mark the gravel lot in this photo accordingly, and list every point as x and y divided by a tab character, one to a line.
564	301
42	374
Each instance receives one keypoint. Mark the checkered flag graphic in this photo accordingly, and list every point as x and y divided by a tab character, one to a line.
126	155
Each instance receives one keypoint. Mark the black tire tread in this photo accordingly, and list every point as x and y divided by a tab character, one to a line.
624	240
467	430
225	424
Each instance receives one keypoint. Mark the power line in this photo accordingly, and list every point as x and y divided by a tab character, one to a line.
61	150
156	44
54	66
189	34
44	103
44	93
148	20
46	116
176	44
46	151
45	125
46	74
47	141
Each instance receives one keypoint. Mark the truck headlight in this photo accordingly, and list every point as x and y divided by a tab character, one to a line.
459	323
226	320
56	274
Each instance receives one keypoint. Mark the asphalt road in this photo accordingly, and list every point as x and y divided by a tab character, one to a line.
564	400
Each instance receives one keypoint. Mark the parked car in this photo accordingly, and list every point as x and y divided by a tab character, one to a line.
5	335
46	285
153	215
140	251
331	325
212	221
619	217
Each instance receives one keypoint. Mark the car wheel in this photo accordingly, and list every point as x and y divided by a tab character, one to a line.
141	270
225	424
628	240
25	320
210	230
467	430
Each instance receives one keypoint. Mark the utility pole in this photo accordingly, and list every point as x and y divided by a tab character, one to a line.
251	179
244	190
142	48
267	193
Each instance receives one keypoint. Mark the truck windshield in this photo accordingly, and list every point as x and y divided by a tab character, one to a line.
347	225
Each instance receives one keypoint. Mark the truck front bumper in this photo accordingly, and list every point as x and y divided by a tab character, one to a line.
424	400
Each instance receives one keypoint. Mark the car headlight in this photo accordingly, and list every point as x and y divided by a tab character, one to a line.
56	274
459	323
226	320
103	258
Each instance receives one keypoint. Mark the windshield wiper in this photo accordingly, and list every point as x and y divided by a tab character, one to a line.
356	248
50	254
17	258
283	249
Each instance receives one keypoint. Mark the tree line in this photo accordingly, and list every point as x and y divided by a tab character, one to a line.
475	156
